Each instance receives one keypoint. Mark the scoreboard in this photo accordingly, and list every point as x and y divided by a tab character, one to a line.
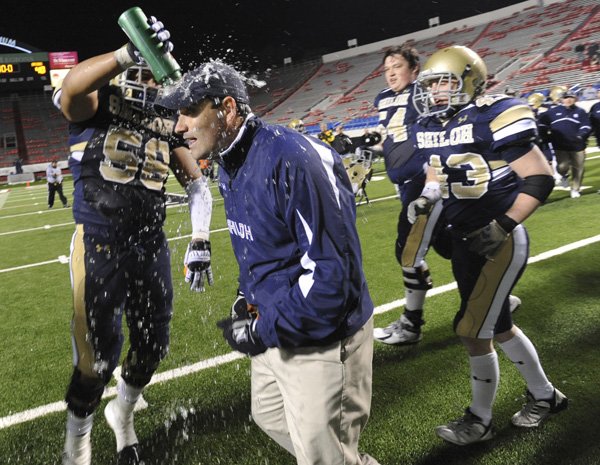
24	71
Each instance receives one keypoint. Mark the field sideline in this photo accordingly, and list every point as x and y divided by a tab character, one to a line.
199	399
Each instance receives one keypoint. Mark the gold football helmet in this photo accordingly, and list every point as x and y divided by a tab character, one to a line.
297	125
556	93
458	65
535	100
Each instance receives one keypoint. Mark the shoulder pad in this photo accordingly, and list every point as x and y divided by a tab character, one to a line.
489	100
511	115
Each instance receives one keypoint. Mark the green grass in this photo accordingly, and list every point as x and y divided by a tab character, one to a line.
204	418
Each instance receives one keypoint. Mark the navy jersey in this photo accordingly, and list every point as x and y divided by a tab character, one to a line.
397	115
568	127
291	217
120	162
470	154
595	121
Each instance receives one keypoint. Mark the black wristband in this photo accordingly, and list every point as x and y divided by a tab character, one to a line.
506	223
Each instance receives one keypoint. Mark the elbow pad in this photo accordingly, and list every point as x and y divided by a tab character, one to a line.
538	186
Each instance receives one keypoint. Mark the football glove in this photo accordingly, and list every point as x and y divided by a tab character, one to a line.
239	308
487	241
241	335
129	55
420	206
197	265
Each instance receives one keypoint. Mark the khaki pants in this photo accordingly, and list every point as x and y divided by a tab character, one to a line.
566	159
315	401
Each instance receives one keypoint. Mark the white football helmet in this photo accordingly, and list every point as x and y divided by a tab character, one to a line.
456	64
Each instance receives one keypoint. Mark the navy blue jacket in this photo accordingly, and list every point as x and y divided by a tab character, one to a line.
568	127
595	120
291	217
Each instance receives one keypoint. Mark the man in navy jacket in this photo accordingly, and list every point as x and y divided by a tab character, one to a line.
567	127
304	312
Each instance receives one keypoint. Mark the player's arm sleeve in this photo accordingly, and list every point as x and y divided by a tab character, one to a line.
314	211
514	130
190	177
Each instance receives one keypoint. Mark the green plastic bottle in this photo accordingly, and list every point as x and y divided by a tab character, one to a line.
163	66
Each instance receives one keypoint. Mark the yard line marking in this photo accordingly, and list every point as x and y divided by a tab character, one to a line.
63	261
46	226
55	407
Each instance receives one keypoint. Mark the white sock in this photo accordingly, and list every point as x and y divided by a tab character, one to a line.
415	299
128	394
520	350
124	404
78	448
485	373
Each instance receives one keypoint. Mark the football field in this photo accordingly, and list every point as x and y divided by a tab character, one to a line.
199	400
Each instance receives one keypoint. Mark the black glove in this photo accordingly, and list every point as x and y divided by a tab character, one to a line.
420	206
197	265
487	241
241	335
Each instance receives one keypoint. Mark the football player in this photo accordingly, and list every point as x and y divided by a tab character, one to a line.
490	177
567	127
120	154
406	169
297	125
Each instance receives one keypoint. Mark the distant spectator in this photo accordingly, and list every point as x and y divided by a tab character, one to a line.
326	135
341	143
579	50
593	51
19	166
55	179
568	127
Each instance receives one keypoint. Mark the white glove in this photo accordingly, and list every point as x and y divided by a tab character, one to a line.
197	265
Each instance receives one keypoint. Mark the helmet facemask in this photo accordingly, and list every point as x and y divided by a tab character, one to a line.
137	86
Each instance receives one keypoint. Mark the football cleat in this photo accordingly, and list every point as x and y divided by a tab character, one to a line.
535	412
78	450
575	194
130	455
514	302
402	331
466	430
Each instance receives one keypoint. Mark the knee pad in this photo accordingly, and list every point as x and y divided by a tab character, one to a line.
84	394
417	278
139	366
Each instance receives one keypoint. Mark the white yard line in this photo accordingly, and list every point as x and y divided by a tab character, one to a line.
55	407
65	260
46	226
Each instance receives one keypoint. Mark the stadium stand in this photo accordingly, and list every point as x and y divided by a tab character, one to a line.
531	47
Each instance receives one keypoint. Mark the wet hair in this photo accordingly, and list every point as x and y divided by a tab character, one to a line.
408	52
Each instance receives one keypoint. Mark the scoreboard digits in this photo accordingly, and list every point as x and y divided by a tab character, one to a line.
23	71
